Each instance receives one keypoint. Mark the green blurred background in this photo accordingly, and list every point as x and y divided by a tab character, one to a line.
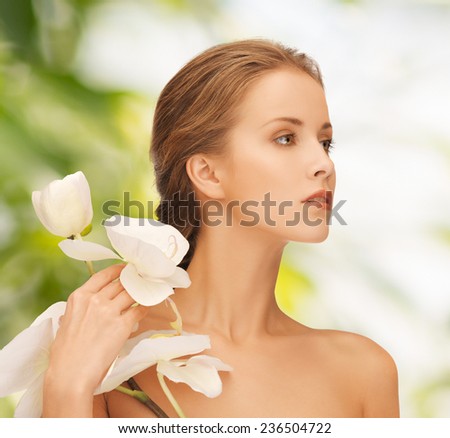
78	83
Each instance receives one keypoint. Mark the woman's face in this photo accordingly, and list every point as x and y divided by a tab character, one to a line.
278	157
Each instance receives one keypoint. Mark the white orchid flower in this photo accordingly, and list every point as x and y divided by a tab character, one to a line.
152	250
64	206
199	372
24	360
146	350
139	353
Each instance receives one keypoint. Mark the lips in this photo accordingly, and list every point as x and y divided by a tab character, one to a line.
321	199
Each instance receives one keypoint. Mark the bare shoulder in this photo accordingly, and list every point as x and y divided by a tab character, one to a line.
358	346
373	368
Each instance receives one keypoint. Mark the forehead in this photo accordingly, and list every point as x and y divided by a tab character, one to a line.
284	93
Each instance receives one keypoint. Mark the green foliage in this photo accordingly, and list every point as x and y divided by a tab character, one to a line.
431	394
7	405
442	233
291	289
51	124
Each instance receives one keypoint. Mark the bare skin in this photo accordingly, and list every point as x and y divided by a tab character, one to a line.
281	367
308	373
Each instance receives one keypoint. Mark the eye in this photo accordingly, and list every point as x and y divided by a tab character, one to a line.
328	145
285	140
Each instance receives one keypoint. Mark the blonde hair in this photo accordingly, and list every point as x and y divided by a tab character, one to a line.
195	111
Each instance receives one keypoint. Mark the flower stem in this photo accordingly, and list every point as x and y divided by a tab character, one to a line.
89	265
142	397
170	396
178	323
138	395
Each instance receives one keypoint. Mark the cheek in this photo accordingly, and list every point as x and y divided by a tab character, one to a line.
332	181
252	175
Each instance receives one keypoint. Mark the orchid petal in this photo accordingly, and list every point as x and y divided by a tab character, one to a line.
132	342
205	359
180	278
166	237
110	369
36	200
25	357
200	374
64	206
143	291
84	191
53	312
148	352
31	402
81	250
148	259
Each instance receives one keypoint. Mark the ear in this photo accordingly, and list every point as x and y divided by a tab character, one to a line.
201	171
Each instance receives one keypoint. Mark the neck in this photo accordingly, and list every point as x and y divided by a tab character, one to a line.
233	273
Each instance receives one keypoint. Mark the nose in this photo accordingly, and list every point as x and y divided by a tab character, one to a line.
326	170
321	165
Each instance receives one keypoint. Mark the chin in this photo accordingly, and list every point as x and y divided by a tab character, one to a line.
312	235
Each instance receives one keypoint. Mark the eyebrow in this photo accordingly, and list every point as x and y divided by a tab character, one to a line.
297	122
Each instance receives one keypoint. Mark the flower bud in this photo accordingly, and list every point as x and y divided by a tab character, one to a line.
64	206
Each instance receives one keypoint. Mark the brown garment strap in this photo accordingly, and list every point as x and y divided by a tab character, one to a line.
149	403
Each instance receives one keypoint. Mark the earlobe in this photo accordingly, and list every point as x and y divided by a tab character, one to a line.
201	172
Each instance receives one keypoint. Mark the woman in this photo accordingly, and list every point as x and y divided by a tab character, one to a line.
245	127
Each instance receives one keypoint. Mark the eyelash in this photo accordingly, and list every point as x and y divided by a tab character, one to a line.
330	143
291	136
